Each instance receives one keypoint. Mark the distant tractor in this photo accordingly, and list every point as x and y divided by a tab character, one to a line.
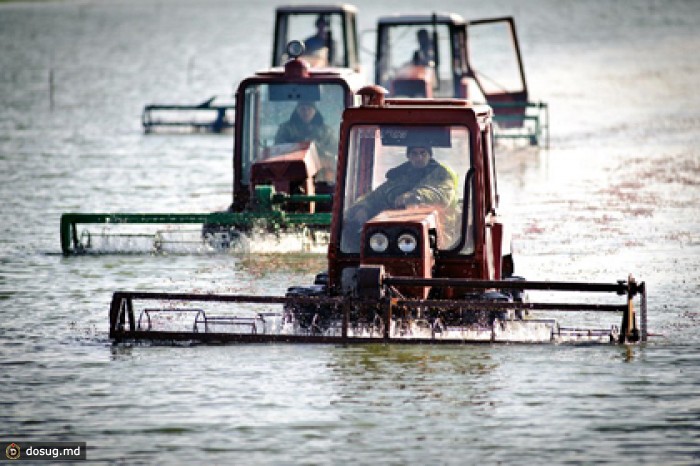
442	55
331	35
294	162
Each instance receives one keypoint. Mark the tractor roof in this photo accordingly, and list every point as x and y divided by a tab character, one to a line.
440	18
373	96
332	8
279	71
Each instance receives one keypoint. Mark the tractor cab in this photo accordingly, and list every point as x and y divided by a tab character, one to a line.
416	193
328	31
442	55
286	135
421	55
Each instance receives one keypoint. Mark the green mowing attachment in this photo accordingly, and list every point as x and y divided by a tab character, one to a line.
266	214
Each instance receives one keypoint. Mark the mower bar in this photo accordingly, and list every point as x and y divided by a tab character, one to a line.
70	240
123	319
621	287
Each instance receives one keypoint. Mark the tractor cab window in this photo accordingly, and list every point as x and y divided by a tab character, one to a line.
415	60
322	34
277	116
397	167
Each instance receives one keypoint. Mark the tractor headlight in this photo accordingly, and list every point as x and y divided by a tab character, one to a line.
378	242
407	242
295	48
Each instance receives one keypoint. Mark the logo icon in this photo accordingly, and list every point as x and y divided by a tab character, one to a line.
12	451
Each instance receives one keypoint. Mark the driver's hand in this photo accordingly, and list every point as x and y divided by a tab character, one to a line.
406	199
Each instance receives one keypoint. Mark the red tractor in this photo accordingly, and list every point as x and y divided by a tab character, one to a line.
442	55
448	229
454	234
417	250
273	144
283	166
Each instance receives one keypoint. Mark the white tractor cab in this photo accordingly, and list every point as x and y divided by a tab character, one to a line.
329	33
442	55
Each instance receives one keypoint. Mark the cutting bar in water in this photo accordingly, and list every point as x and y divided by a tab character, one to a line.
352	319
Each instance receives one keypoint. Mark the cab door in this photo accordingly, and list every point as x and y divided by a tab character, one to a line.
495	64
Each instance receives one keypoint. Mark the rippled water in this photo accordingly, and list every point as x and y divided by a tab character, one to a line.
617	193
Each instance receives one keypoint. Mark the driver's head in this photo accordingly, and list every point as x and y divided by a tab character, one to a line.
419	156
321	24
423	37
306	111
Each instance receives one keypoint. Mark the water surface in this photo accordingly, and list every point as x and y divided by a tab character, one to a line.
617	193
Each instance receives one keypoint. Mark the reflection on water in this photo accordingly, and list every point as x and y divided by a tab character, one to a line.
297	264
393	376
616	194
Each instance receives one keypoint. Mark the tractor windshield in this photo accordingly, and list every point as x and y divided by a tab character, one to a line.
415	60
279	114
395	167
322	33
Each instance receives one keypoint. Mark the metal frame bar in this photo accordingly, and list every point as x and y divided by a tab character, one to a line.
122	309
218	123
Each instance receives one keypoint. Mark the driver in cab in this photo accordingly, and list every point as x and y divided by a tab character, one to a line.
307	124
421	180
